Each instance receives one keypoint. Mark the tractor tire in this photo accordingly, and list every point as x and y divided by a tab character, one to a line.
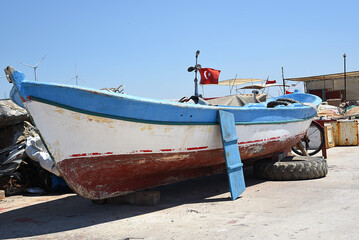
276	103
291	168
289	100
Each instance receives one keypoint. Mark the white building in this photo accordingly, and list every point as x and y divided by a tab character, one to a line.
337	87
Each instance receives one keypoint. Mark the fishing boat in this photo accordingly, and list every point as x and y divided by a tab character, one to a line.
108	144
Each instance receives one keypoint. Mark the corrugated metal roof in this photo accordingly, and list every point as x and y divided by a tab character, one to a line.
325	77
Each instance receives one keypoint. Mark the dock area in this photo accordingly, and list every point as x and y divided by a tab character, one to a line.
324	208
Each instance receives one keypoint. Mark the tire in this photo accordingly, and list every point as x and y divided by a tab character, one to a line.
291	168
314	130
289	100
276	103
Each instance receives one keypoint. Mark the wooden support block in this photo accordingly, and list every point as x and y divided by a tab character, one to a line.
301	147
279	156
99	201
2	194
145	198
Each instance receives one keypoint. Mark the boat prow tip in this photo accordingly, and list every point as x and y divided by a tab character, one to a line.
9	71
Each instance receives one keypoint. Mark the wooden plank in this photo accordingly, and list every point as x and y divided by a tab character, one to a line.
231	153
2	194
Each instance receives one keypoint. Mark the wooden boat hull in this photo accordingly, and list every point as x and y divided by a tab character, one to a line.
102	157
106	145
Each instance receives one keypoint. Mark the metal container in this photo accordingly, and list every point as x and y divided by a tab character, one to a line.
346	133
329	136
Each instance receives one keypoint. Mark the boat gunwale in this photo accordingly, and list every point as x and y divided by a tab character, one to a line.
105	93
29	91
74	109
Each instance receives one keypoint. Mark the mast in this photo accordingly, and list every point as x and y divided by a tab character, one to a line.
195	78
284	92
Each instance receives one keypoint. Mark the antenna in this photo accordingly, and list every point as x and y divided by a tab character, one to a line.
232	86
195	69
76	77
34	67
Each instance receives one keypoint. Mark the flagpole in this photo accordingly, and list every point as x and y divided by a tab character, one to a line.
195	78
284	93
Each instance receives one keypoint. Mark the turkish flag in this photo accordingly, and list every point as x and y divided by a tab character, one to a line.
209	75
271	82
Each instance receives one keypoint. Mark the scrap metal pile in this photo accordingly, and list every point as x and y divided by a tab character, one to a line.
344	111
24	166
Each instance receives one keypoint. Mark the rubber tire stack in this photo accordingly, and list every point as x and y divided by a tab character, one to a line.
291	168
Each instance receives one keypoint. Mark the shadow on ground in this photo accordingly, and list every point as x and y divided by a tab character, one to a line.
74	212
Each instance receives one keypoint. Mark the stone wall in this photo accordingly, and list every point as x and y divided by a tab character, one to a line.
15	124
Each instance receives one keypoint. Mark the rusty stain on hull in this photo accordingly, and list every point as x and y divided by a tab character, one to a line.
105	176
59	110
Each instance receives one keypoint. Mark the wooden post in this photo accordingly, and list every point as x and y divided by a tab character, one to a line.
2	194
301	147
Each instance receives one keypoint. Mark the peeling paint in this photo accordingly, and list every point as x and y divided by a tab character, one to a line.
176	157
99	119
254	149
167	130
148	127
59	110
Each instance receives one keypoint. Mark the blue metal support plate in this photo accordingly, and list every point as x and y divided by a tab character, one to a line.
231	153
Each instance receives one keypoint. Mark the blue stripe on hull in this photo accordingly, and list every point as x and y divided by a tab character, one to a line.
132	108
153	122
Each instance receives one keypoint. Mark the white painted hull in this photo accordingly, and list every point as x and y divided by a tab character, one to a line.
71	134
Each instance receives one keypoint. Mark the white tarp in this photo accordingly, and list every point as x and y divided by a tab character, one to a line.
37	152
238	100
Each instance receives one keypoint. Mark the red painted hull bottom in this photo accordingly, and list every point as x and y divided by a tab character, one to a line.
109	176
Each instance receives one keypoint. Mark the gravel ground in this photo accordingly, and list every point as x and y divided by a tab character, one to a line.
325	208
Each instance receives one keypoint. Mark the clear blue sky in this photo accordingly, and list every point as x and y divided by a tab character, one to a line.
148	45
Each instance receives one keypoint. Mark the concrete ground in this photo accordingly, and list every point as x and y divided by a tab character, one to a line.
326	208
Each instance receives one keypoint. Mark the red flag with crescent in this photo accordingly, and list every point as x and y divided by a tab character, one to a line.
209	75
